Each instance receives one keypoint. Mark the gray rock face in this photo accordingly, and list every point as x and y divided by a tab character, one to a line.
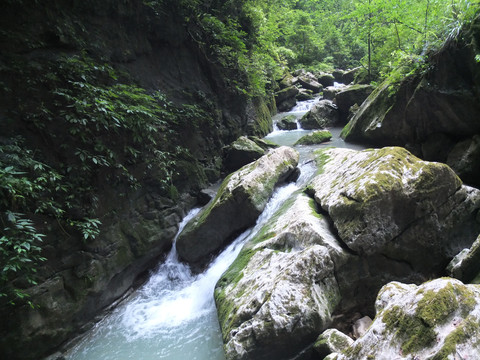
285	99
464	159
466	265
349	96
437	320
388	201
239	201
280	292
324	113
445	100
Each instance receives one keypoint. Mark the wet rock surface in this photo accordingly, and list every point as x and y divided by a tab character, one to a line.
368	218
239	201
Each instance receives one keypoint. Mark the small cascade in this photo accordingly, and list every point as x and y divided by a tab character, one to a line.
304	106
173	316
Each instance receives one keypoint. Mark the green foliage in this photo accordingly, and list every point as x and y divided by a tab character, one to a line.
94	122
20	252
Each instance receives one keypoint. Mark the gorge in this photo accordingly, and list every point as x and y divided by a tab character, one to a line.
116	119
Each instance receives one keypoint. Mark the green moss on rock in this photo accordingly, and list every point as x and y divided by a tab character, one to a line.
461	334
410	329
316	137
435	306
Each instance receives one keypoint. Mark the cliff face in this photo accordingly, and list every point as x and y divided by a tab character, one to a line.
146	49
433	112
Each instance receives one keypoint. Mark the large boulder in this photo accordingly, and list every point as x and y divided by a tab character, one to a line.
285	99
287	81
387	201
239	201
367	218
281	291
288	122
345	76
324	113
241	152
330	92
305	94
315	138
309	81
437	320
326	79
349	96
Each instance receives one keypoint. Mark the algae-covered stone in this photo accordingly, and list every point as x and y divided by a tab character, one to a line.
240	200
326	79
288	122
241	152
387	201
316	137
305	94
442	99
437	320
281	291
331	341
324	113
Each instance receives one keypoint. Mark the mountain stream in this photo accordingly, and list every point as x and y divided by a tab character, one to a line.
173	316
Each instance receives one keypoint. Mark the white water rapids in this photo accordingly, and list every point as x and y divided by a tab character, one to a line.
173	316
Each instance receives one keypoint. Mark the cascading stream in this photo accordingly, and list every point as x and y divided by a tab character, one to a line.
173	316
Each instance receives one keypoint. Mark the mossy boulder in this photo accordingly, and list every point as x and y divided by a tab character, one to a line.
324	113
437	320
314	138
387	201
281	291
305	94
239	201
287	81
326	79
241	152
331	341
259	111
288	122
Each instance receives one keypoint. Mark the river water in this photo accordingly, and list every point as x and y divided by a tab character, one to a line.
173	316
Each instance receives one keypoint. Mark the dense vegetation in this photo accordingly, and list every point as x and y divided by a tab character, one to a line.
96	121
